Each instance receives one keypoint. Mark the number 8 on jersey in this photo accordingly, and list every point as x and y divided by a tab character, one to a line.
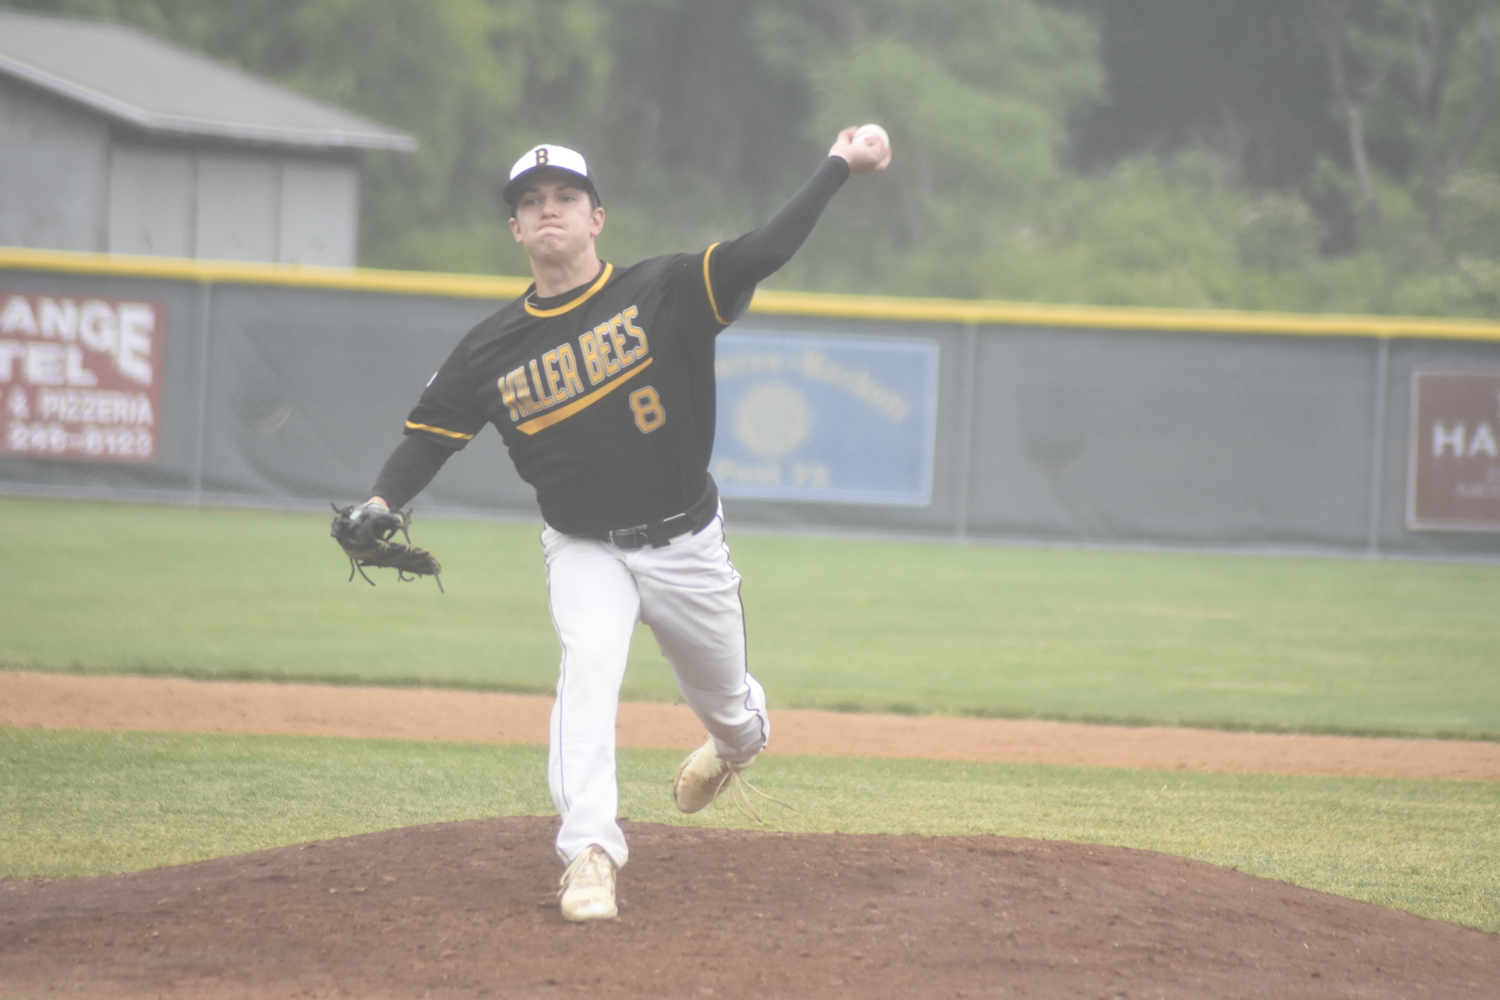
646	406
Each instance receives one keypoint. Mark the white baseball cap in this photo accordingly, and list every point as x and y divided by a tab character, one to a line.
548	157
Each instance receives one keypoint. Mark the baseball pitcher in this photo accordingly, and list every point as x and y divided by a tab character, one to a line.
600	380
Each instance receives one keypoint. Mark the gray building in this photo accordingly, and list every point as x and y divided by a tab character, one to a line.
114	141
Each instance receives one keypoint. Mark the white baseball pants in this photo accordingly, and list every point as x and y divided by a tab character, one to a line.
688	593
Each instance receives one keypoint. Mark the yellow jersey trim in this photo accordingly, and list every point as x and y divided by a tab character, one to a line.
456	435
557	416
965	311
568	307
713	303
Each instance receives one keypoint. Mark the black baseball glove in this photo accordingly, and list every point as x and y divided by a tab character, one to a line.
364	531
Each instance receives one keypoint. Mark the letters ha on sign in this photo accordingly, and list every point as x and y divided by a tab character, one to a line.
79	378
1454	481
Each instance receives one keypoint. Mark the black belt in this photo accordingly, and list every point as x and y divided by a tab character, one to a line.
659	533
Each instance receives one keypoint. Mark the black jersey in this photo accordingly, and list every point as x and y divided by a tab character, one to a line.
604	395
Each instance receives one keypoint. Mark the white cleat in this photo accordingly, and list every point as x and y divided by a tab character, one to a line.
703	776
588	887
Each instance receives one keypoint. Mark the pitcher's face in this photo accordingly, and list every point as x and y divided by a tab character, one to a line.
554	220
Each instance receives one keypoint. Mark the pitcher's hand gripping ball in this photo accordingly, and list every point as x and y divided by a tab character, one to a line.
866	149
871	131
364	532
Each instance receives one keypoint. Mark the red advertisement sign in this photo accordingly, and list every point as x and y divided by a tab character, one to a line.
1454	482
80	378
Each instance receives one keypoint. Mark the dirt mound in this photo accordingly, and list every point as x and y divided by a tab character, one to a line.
468	910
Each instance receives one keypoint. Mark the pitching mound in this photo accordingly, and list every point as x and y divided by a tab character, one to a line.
467	910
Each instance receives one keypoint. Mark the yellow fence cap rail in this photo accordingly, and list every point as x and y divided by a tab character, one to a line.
980	312
771	303
474	286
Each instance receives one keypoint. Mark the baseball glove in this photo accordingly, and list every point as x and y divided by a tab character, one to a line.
364	531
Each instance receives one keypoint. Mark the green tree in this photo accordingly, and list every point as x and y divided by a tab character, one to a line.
702	116
1418	77
976	95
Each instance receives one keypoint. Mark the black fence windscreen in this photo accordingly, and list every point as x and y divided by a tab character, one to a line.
274	393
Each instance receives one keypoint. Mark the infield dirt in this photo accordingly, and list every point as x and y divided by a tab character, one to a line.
72	701
468	909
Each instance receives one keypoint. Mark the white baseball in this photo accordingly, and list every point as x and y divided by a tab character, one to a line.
865	131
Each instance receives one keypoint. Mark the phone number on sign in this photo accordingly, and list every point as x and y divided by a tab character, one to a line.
55	439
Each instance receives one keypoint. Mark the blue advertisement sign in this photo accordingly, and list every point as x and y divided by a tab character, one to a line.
803	417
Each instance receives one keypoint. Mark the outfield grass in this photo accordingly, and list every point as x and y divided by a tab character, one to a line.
1237	642
79	803
1234	642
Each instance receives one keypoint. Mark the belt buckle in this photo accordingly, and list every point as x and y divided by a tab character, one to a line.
629	538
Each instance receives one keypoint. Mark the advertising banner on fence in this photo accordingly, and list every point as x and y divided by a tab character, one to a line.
1454	481
79	378
826	418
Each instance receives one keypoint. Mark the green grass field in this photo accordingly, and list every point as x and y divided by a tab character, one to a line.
1232	642
81	803
1238	642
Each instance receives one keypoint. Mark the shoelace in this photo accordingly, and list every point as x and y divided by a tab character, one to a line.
739	788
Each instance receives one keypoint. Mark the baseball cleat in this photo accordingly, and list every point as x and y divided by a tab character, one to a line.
704	776
588	887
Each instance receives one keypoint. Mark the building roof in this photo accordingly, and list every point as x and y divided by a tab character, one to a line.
134	77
